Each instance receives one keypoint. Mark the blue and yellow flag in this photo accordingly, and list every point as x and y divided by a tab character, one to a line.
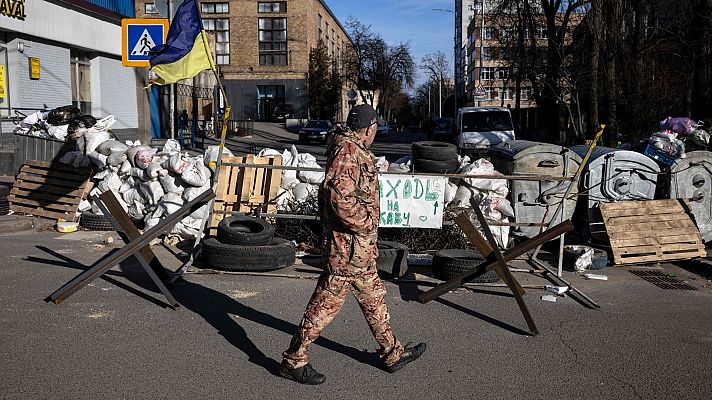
186	51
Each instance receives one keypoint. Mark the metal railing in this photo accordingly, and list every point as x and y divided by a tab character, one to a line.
197	131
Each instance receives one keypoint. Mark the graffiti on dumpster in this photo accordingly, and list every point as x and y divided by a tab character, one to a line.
409	201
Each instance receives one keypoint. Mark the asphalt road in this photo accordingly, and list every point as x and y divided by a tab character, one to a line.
115	339
275	136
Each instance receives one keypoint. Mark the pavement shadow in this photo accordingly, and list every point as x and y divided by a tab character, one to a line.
409	291
218	309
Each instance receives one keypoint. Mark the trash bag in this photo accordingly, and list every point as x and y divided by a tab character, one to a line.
81	121
93	138
62	115
111	146
58	131
679	125
211	155
176	163
144	158
172	146
131	153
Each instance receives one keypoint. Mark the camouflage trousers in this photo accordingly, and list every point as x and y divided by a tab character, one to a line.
325	303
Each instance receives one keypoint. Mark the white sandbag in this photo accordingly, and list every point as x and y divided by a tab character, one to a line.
504	206
58	131
132	196
144	158
151	191
196	174
288	182
111	146
93	138
484	167
184	231
131	153
171	183
99	160
463	195
199	213
154	171
290	158
150	222
284	199
137	174
125	167
307	160
399	168
404	160
449	194
304	191
101	174
382	164
116	159
110	182
463	161
136	211
105	123
84	205
193	192
268	153
172	146
211	155
192	223
176	163
170	203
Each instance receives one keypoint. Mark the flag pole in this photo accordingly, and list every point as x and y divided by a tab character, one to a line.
217	164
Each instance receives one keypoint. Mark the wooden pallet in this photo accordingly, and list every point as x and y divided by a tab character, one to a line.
246	189
49	190
651	231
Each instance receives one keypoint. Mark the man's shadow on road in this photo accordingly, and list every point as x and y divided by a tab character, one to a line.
215	307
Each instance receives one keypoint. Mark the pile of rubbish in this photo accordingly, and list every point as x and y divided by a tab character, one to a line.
299	189
59	123
677	135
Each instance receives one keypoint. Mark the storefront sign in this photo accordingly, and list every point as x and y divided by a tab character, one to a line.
410	201
3	90
13	8
34	67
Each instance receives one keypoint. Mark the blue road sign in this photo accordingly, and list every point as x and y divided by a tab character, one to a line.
139	35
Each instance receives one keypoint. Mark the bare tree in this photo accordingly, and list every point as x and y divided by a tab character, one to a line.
437	67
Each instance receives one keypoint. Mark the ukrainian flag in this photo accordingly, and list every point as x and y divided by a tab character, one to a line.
186	51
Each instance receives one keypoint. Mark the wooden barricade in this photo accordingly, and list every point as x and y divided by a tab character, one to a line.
245	189
49	190
651	231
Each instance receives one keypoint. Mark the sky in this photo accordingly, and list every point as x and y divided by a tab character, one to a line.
412	21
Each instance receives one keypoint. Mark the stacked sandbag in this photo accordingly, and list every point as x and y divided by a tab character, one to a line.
298	189
149	183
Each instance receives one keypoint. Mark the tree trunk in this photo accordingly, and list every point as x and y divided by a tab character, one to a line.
594	26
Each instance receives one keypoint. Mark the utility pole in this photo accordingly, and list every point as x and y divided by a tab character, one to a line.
440	95
172	88
482	41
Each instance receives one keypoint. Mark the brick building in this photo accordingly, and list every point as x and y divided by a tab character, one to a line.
262	50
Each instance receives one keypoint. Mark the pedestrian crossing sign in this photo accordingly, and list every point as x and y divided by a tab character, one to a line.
138	36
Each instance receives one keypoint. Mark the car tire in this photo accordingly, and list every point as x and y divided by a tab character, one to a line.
279	253
436	151
392	261
435	166
4	206
245	231
94	222
449	263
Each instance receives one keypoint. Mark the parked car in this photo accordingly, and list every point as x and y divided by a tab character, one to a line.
316	129
282	112
383	130
479	128
444	128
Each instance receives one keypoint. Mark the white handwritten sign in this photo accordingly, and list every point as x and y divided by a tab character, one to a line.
410	201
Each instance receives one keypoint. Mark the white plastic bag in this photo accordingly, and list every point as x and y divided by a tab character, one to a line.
93	138
131	153
211	155
151	191
111	146
58	131
172	146
268	153
154	170
382	164
196	174
105	123
125	167
484	167
176	163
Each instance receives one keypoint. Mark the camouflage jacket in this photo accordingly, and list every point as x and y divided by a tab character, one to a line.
349	193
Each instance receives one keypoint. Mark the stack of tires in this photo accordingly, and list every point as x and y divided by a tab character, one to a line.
434	157
392	261
246	244
450	263
94	222
4	203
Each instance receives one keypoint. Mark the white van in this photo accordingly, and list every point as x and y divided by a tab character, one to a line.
479	128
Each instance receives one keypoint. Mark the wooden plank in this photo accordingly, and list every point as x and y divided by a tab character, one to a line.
275	179
25	177
612	213
71	177
651	227
643	218
658	258
53	197
654	240
56	167
41	212
667	248
646	234
47	203
636	204
48	188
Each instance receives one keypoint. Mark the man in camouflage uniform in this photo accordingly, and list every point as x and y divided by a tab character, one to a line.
349	205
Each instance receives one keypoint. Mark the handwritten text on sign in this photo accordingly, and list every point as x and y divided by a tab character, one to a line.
411	201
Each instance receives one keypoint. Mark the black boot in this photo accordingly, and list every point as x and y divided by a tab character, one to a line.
410	353
306	375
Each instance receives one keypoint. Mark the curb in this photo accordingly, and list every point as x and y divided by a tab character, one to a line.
15	223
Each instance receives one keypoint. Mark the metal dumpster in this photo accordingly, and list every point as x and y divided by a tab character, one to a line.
691	178
28	147
536	201
611	175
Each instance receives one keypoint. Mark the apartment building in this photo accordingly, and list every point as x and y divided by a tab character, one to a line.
262	50
464	14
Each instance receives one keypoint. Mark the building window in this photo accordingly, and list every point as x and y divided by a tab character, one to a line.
273	41
326	32
81	82
541	32
489	33
490	94
150	8
506	33
503	73
487	73
488	53
215	8
220	27
272	7
506	93
525	93
319	25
